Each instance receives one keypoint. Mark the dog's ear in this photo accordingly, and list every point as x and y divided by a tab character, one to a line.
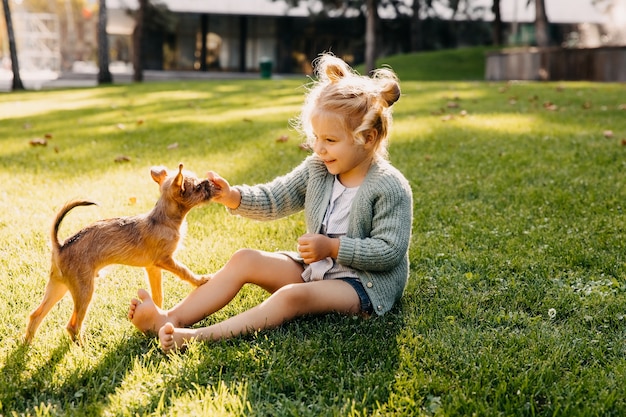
158	174
179	181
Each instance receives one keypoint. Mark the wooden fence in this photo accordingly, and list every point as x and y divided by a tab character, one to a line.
553	64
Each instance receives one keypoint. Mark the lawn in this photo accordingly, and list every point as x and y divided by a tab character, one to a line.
517	297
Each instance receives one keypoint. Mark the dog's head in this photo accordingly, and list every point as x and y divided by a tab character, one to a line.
182	187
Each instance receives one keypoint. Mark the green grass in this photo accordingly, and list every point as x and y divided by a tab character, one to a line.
518	210
446	64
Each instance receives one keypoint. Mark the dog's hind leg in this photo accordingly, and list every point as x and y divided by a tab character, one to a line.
156	286
55	290
82	298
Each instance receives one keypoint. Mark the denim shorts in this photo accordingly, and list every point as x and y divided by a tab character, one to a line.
366	304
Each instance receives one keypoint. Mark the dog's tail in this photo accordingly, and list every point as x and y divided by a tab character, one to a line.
56	246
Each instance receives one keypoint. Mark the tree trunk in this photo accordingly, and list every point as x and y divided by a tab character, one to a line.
104	75
370	34
417	43
541	24
138	41
70	44
204	32
15	67
497	23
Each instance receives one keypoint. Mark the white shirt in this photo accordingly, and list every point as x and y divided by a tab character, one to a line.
335	224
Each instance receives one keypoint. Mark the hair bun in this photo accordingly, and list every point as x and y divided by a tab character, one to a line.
331	68
334	73
388	84
390	92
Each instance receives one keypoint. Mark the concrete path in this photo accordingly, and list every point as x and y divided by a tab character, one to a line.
43	80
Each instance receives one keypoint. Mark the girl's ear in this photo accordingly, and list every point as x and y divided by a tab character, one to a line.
371	138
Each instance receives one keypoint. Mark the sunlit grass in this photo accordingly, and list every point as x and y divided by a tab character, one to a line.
516	301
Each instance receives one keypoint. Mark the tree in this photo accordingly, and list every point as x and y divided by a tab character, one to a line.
416	41
371	23
154	18
104	75
138	61
369	8
541	24
16	84
497	23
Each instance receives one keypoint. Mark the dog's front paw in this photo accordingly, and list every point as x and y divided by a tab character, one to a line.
203	279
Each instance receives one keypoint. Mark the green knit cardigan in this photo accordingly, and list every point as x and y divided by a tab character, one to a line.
379	232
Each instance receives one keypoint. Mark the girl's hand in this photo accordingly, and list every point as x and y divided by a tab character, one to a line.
315	247
225	195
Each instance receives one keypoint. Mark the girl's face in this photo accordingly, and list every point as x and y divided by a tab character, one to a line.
335	145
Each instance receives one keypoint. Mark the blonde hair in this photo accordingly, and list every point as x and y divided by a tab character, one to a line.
365	102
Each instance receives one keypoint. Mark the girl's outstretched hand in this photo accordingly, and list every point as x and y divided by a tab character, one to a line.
224	194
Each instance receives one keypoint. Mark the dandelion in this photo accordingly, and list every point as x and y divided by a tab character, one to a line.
552	313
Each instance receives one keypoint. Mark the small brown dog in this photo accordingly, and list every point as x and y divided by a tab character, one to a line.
147	240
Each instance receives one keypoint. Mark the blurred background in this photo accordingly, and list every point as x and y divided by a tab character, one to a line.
55	37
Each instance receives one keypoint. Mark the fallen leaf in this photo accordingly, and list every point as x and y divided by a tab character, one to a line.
608	134
48	136
172	146
452	104
447	117
121	126
624	142
282	138
38	142
621	107
586	105
548	105
139	122
122	158
132	201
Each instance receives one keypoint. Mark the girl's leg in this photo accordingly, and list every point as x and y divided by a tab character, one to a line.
289	302
268	270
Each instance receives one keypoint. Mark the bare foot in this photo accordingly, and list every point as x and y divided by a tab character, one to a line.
173	339
144	314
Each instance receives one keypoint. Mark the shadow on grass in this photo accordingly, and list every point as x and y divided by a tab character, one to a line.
311	366
86	388
20	388
327	365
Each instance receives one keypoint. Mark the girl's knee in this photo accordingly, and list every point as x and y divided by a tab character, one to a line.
295	295
244	258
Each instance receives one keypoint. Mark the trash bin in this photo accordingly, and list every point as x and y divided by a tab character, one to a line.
266	68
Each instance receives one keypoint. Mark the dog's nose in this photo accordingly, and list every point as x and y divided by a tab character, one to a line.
208	188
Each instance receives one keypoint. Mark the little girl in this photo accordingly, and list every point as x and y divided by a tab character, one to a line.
358	209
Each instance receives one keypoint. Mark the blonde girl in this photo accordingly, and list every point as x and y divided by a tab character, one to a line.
352	260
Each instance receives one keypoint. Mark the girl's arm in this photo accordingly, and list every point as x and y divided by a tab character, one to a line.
279	198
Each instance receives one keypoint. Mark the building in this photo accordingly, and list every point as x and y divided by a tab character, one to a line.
234	36
237	35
